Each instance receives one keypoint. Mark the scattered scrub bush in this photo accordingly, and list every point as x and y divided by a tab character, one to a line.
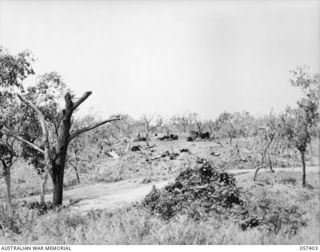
15	220
267	212
196	192
203	192
289	180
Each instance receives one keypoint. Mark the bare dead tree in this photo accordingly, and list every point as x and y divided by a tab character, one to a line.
55	154
270	133
150	124
264	153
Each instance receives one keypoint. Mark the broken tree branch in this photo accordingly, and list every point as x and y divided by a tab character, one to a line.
29	143
81	100
85	129
21	139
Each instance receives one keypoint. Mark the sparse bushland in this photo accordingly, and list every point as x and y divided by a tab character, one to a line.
103	169
276	213
204	205
136	226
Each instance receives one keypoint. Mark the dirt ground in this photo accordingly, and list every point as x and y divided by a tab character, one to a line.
122	193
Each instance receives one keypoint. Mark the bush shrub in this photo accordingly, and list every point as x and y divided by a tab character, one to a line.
196	192
15	220
266	211
288	180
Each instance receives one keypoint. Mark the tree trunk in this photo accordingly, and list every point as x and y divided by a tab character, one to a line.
319	151
58	166
7	178
59	158
303	168
76	171
44	179
237	148
270	163
57	182
147	138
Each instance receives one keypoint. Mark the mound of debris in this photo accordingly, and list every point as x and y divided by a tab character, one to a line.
196	192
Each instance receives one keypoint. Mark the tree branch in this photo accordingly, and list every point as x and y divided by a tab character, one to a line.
30	144
81	100
45	136
85	129
17	137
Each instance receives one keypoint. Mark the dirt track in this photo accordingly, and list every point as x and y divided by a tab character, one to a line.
109	196
114	195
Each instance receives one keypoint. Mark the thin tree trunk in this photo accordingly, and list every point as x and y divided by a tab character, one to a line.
7	178
74	166
319	151
147	138
270	163
77	175
43	183
237	148
262	159
303	168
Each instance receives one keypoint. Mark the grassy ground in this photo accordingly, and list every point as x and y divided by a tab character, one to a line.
275	194
292	213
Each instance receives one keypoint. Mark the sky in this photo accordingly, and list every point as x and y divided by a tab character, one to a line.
169	57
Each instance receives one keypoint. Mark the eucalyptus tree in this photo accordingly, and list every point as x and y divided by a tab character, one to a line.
269	134
310	85
14	69
9	152
56	134
225	127
150	123
47	94
299	126
184	122
53	121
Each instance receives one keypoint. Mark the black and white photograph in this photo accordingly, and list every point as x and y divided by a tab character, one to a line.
157	122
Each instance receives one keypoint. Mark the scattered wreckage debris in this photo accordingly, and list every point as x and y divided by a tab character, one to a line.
136	148
166	154
215	154
140	138
170	137
112	154
196	135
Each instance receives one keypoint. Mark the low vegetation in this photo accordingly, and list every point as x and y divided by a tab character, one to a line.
274	213
196	192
